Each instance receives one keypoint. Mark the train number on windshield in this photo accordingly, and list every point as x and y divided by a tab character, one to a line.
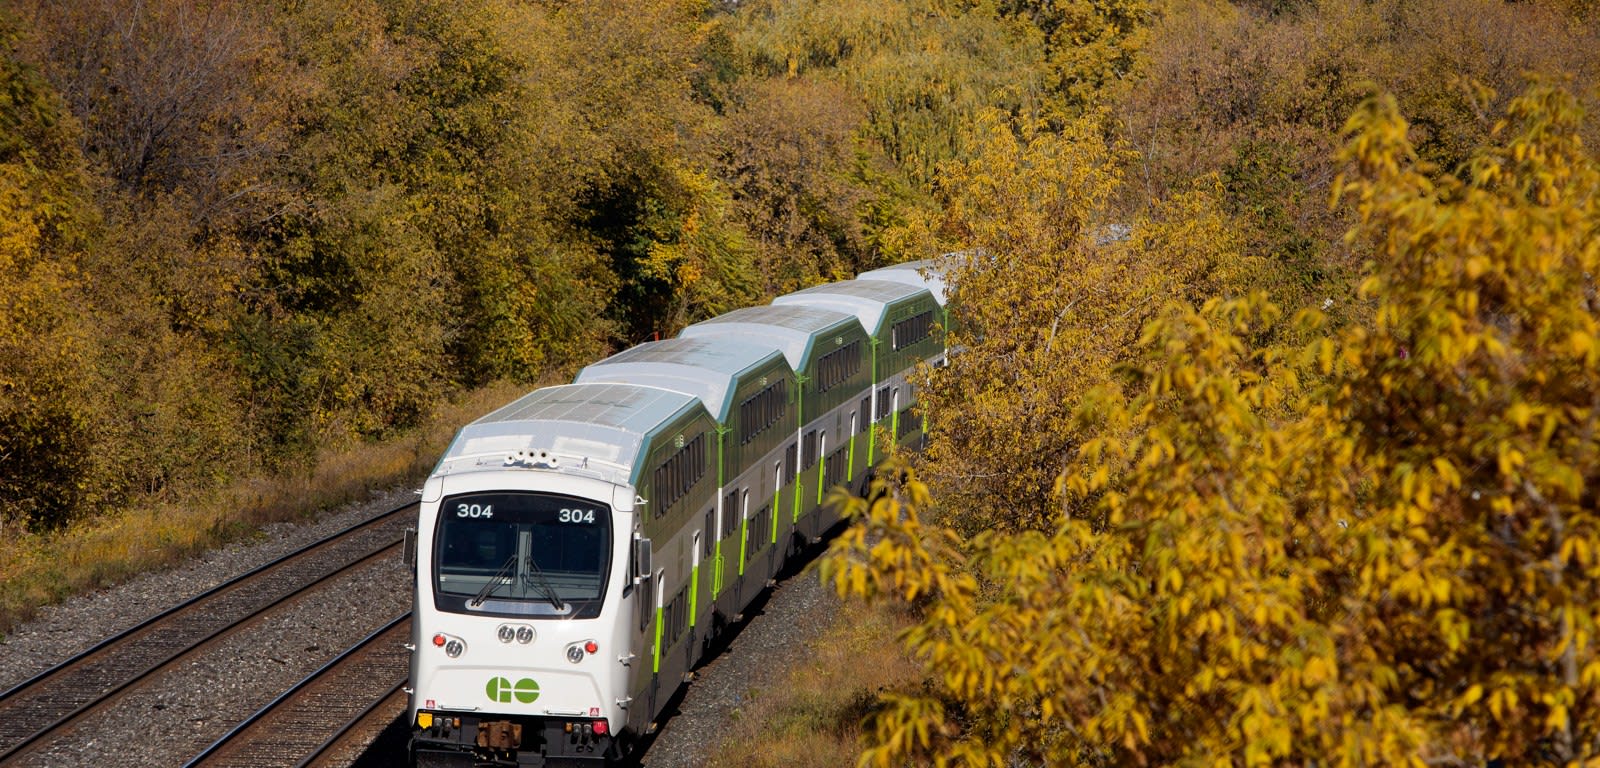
576	516
475	510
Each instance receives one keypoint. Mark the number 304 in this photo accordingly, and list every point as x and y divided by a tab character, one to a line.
576	516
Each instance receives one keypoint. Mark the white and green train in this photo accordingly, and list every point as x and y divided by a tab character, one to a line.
578	549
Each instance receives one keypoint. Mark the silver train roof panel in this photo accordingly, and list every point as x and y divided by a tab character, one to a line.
791	329
703	368
926	273
868	300
600	428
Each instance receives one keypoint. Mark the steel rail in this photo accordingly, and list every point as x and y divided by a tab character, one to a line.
355	654
63	700
397	690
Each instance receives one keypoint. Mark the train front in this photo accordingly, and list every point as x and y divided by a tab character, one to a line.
522	653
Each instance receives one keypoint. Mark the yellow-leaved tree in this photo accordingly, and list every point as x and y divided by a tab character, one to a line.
1377	548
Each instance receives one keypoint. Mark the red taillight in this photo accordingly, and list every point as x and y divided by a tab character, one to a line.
438	639
591	646
600	726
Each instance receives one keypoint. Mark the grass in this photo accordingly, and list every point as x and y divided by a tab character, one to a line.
814	718
40	569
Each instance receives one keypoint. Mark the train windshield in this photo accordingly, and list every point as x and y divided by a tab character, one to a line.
529	555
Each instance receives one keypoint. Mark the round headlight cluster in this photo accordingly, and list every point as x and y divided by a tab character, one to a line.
522	633
453	646
577	651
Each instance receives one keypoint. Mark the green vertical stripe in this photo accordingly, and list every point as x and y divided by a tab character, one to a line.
657	667
744	535
694	595
872	402
850	463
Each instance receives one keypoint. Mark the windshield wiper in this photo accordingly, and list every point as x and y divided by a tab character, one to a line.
535	577
504	571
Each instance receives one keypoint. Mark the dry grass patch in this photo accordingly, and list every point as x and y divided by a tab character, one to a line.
814	719
39	569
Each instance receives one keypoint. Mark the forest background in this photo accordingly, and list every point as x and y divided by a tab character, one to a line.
259	256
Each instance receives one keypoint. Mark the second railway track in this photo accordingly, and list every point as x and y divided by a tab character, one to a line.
301	725
56	699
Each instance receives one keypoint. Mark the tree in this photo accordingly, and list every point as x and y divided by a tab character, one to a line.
1048	300
46	411
1376	548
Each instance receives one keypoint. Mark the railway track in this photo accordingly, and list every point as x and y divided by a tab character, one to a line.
336	701
57	699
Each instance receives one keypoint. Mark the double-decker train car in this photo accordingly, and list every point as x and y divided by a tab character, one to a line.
578	549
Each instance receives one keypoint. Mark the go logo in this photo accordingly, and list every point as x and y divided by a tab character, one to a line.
501	690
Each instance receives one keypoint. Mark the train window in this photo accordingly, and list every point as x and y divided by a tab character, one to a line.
790	462
838	366
912	330
908	423
677	476
866	408
730	516
808	451
884	406
710	529
522	554
761	529
762	410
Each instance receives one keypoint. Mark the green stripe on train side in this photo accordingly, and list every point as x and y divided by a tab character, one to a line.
656	669
694	595
744	535
850	463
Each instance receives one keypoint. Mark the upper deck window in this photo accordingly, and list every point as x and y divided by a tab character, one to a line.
838	366
762	410
912	330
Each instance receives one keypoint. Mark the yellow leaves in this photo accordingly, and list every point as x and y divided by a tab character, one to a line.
1503	704
1556	720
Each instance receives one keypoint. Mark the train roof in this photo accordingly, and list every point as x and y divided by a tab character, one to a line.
868	300
598	427
706	369
791	329
925	273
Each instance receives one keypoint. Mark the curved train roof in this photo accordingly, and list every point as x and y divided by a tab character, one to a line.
682	365
790	328
925	273
597	426
868	300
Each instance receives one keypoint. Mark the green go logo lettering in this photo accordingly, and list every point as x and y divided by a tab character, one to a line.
501	690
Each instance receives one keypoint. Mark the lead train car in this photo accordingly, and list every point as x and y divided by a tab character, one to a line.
576	548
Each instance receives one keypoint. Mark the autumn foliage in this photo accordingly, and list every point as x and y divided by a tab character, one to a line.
1377	547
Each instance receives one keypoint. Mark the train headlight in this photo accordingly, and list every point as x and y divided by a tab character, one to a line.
524	634
454	647
506	633
574	653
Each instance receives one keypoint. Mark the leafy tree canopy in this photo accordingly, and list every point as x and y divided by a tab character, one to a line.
1378	547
